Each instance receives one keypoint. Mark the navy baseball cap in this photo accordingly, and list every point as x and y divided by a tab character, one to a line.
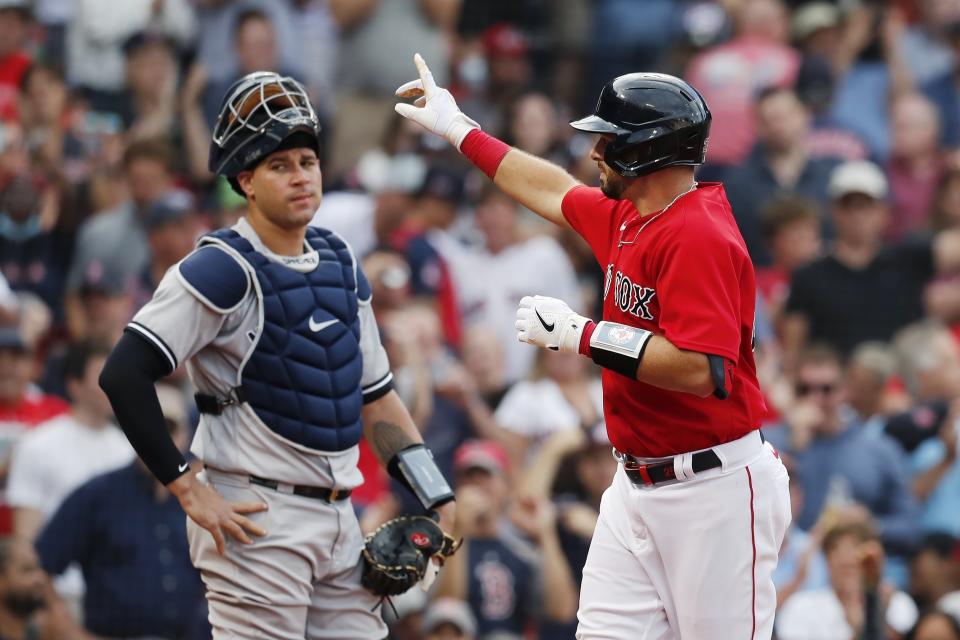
443	183
103	279
171	207
12	339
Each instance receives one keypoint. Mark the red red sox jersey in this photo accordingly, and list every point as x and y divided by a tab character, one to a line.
685	275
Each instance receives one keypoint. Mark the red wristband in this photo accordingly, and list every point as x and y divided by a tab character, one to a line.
584	348
485	151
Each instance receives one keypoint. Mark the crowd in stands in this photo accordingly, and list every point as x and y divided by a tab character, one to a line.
836	131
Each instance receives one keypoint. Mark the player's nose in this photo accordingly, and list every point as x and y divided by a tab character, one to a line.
596	153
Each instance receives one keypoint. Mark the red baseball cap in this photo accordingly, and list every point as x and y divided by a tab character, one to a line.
505	40
481	454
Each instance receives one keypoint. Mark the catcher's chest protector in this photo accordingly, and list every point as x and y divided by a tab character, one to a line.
302	374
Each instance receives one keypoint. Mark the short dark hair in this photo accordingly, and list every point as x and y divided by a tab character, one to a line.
156	149
781	212
248	15
770	91
78	356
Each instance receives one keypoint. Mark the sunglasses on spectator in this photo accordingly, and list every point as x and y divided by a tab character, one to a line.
804	389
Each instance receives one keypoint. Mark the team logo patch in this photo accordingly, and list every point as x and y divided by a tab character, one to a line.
420	539
621	334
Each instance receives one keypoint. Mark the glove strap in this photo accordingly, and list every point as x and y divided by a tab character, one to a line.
619	347
485	151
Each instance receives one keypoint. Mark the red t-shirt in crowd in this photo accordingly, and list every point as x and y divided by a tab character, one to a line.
684	275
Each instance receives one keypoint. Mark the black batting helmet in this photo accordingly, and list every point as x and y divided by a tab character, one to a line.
259	112
658	121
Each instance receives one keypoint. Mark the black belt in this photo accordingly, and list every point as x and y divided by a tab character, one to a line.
318	493
213	405
659	472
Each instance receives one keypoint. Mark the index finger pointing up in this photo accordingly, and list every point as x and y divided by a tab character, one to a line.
426	76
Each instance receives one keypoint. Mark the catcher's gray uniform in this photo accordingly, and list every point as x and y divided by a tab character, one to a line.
213	311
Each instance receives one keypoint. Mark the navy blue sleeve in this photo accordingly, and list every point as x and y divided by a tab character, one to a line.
68	535
215	277
899	524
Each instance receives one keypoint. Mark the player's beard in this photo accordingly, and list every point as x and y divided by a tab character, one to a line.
611	185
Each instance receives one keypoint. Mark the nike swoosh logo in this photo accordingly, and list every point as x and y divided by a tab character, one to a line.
183	467
548	327
317	327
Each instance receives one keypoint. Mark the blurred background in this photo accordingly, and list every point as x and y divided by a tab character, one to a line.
836	132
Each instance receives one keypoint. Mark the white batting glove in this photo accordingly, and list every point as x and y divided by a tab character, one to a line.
550	323
434	109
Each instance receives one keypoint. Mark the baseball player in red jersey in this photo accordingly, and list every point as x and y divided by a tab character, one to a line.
689	530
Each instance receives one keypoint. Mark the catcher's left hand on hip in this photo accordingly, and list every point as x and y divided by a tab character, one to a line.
549	323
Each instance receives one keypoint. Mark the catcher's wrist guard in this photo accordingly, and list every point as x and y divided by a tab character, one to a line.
415	469
397	555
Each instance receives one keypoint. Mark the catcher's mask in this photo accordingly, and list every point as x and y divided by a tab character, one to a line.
657	121
259	113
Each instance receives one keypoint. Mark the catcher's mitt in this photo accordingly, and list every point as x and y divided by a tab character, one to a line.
397	554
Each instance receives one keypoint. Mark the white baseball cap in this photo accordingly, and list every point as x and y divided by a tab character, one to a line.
450	610
858	176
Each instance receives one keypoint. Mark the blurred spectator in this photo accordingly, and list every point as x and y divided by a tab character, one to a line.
59	455
562	393
508	582
512	262
800	565
9	303
533	125
448	619
933	569
573	467
116	239
151	68
137	568
815	88
44	118
862	290
935	625
389	276
925	43
621	43
842	465
378	40
943	90
16	18
484	361
172	230
64	452
945	208
317	38
216	51
34	249
870	369
96	34
495	74
370	219
929	366
790	227
869	68
28	610
255	48
778	165
22	405
729	75
916	164
857	604
815	29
